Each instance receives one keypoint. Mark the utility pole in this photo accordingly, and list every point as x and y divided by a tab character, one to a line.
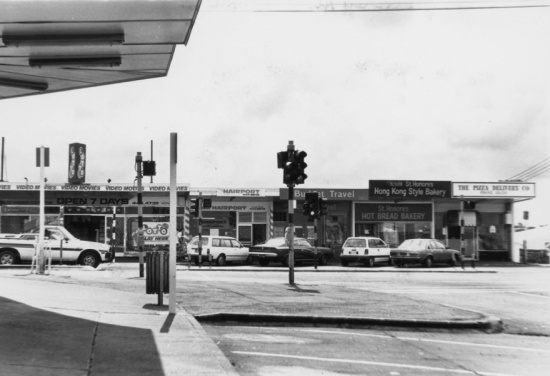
173	219
140	240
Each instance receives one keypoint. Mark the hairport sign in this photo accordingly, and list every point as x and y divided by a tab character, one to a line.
494	190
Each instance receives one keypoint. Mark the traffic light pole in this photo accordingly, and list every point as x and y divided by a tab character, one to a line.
291	234
199	204
140	239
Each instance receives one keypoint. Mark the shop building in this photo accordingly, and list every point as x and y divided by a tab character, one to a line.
472	215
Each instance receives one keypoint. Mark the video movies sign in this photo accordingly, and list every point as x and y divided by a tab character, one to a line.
409	189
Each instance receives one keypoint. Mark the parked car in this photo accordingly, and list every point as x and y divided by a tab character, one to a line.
367	250
59	243
424	251
223	249
276	250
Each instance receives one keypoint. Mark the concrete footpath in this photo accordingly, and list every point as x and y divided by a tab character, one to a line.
85	321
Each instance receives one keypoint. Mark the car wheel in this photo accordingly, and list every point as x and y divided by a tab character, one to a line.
264	262
428	262
90	259
220	261
249	261
344	262
370	262
323	260
7	258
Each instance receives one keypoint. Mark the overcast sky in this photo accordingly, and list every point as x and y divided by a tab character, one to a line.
460	95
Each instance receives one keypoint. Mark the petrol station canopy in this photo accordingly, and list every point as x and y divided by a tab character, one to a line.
48	46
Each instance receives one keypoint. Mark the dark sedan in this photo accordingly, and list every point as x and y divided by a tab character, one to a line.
424	251
276	250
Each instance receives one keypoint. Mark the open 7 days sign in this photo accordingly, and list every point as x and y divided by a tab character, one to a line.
494	190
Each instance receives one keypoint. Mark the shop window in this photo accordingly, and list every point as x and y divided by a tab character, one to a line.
245	217
280	216
260	217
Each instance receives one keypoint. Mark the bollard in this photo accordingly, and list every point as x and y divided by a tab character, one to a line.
315	258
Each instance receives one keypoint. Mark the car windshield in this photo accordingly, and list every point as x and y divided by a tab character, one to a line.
195	241
275	242
414	244
355	243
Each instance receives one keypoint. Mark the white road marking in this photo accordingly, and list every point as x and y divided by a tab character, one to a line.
428	340
366	362
530	294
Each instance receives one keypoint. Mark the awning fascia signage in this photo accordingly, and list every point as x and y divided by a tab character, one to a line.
158	188
409	189
329	194
383	212
493	190
241	192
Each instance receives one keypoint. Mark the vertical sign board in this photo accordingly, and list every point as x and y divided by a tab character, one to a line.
46	157
77	163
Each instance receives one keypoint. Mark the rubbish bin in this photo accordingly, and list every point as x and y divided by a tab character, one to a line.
156	272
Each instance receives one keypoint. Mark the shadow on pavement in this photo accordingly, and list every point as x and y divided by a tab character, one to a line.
40	342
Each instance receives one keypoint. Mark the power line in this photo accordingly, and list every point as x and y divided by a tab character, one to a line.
533	171
363	5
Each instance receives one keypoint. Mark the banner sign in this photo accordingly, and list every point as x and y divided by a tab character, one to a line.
329	194
92	187
409	189
241	192
77	163
237	206
393	212
502	189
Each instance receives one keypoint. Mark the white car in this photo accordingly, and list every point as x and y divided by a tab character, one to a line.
367	250
223	249
59	242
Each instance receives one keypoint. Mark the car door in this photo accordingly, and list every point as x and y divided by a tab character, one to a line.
383	249
301	250
240	252
54	243
436	251
373	248
444	254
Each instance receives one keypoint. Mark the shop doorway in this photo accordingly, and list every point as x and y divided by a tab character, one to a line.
86	227
252	234
471	241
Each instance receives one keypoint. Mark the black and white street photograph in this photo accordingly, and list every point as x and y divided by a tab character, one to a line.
268	187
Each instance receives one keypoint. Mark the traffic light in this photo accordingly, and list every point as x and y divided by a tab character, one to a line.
300	166
526	215
195	207
311	205
149	168
293	165
323	207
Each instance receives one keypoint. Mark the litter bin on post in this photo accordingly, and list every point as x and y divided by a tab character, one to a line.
156	274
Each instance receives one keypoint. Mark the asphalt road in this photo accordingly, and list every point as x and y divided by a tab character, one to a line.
339	351
520	296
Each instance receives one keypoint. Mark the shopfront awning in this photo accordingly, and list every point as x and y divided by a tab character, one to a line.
48	46
471	218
